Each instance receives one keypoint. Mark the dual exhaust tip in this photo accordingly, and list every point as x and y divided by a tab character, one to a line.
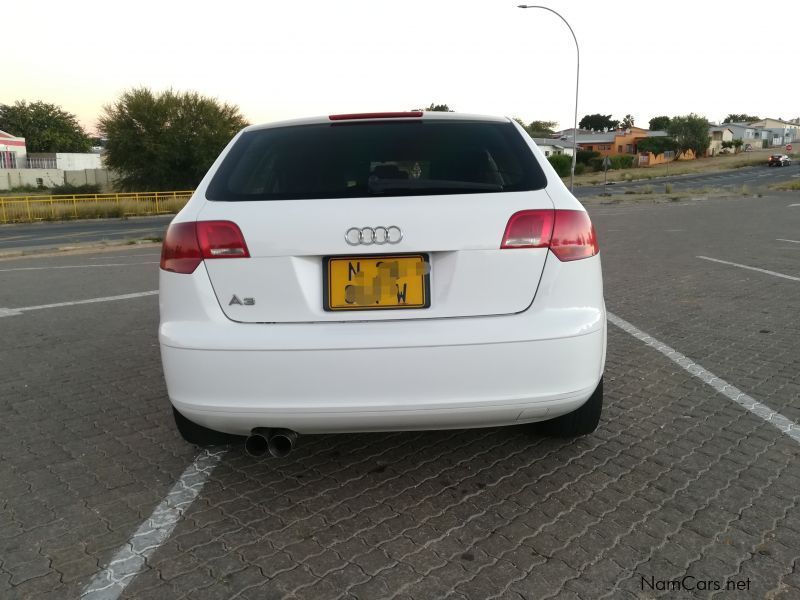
278	442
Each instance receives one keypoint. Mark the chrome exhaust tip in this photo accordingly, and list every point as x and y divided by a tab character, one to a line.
256	443
280	442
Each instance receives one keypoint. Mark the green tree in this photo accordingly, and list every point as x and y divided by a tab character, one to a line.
737	145
165	141
627	121
740	118
690	132
659	123
538	129
45	127
439	108
598	122
656	145
541	128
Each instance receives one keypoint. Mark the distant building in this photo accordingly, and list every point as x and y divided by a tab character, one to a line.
718	135
12	151
786	130
614	142
745	132
765	133
564	134
552	147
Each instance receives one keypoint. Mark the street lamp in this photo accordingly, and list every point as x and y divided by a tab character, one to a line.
577	80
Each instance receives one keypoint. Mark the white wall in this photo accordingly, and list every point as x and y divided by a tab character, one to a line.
102	177
11	178
77	161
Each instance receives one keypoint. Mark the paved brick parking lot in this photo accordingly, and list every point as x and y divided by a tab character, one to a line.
679	480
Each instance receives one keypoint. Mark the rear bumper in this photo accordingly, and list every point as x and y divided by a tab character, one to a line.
383	389
385	375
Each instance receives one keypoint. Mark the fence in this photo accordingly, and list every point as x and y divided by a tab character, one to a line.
27	209
42	163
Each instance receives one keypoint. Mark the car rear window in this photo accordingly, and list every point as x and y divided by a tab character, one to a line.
400	158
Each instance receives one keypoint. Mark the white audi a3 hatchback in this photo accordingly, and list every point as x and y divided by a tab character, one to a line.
377	272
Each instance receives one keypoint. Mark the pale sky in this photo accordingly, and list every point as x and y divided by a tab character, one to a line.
282	59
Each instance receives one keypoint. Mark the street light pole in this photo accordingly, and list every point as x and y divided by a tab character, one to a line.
577	81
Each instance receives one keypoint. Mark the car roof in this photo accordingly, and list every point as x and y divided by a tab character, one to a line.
426	116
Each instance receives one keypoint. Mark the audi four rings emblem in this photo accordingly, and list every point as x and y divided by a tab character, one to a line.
373	235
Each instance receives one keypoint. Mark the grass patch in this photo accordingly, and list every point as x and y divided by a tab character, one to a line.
721	162
786	185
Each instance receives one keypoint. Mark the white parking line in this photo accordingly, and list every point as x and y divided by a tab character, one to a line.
10	312
777	420
792	241
748	267
77	266
109	583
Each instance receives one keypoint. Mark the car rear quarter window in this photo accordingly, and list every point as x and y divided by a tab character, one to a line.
357	159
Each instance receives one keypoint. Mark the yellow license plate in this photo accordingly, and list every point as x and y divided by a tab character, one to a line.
377	282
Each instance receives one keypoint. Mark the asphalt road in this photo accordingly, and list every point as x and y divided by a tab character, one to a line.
43	236
681	482
57	234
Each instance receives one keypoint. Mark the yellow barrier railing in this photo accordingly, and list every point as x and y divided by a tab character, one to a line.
27	209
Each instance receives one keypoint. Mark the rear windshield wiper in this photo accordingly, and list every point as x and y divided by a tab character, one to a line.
382	186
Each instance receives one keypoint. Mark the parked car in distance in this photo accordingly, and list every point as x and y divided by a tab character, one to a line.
779	160
381	272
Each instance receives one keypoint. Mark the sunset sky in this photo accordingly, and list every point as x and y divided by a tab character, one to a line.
289	59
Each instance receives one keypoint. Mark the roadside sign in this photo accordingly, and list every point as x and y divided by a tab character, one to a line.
606	163
788	147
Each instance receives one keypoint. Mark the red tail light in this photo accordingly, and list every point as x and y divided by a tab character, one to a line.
221	239
180	252
187	244
573	236
569	234
529	229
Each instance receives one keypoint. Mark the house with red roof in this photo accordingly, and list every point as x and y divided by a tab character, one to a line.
13	153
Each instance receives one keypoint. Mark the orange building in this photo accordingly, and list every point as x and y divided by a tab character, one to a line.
620	142
613	143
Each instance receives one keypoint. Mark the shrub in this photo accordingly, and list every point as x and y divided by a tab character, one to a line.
561	163
67	188
21	189
624	161
580	169
584	157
